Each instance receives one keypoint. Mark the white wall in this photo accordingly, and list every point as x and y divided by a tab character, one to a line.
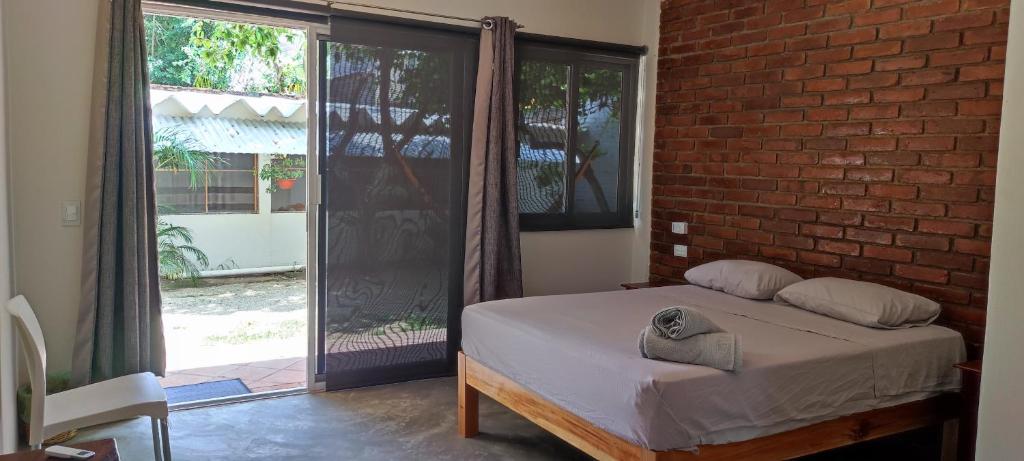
8	424
1002	409
249	240
49	46
50	52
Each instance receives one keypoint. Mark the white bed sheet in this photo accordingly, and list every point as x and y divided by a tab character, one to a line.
580	352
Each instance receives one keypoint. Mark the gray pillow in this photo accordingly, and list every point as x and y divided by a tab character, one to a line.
863	303
746	279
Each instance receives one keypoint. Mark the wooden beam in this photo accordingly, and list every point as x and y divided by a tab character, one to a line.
604	445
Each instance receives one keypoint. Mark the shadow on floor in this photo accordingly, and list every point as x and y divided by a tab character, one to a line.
406	421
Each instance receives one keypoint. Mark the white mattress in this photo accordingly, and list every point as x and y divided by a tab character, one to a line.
580	352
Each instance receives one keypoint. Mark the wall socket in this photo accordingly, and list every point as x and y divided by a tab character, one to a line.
70	213
679	251
679	228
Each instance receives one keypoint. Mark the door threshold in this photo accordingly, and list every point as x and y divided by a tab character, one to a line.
217	401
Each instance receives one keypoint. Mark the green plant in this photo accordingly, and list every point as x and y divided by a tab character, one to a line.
176	150
55	382
177	256
281	167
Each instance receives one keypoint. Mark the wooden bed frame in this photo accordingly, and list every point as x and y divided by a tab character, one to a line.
475	378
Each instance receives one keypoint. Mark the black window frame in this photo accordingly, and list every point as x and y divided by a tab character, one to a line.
578	57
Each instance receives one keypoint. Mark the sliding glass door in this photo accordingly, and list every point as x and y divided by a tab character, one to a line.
394	113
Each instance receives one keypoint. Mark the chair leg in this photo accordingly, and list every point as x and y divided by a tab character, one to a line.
156	439
166	436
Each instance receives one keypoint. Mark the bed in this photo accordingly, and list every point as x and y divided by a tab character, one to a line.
808	383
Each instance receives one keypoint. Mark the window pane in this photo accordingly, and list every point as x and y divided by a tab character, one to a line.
232	191
225	161
175	194
290	196
597	145
543	97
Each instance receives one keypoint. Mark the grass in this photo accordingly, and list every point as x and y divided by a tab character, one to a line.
252	331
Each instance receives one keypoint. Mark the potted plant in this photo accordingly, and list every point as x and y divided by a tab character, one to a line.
55	382
282	171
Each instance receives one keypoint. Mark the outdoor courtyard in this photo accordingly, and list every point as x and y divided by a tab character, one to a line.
251	328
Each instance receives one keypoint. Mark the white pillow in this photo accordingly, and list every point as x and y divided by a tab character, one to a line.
746	279
863	303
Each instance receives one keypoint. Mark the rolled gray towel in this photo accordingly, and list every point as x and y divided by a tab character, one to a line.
679	322
715	350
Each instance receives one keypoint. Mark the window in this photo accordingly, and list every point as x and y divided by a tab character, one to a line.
287	176
228	185
573	100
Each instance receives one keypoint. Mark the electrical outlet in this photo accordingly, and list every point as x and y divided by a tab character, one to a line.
679	251
679	228
70	213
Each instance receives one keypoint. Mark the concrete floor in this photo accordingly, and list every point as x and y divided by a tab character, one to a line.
406	421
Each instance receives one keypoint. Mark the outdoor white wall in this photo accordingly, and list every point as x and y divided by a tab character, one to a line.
249	240
1002	410
50	59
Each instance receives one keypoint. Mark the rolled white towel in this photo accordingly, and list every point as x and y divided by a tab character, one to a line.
715	350
680	322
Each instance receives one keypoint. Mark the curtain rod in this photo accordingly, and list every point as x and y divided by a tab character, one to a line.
486	23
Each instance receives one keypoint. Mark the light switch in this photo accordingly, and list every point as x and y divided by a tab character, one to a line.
71	213
679	228
679	251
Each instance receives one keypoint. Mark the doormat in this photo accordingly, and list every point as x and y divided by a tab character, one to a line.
203	391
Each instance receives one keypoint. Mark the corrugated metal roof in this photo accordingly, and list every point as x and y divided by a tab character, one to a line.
184	102
239	136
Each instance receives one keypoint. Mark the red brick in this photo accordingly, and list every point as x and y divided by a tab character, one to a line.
925	274
927	77
924	176
905	29
824	84
979	107
987	72
927	242
965	229
887	253
963	21
848	68
878	49
872	144
820	259
949	58
874	111
832	246
899	95
892	191
932	8
927	143
852	37
909	62
932	42
869	236
877	17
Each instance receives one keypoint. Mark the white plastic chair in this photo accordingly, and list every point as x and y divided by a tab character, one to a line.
99	403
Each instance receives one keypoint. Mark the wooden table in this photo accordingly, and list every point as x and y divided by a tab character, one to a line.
655	284
106	450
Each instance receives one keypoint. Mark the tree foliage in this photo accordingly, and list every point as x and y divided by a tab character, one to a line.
221	55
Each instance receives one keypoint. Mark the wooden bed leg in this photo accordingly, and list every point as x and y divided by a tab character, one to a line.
469	404
950	432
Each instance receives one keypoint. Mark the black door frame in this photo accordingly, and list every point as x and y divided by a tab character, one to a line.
464	47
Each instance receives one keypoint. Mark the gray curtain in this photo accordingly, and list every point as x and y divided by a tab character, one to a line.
493	269
120	331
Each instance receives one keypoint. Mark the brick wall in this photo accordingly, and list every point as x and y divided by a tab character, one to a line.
849	138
